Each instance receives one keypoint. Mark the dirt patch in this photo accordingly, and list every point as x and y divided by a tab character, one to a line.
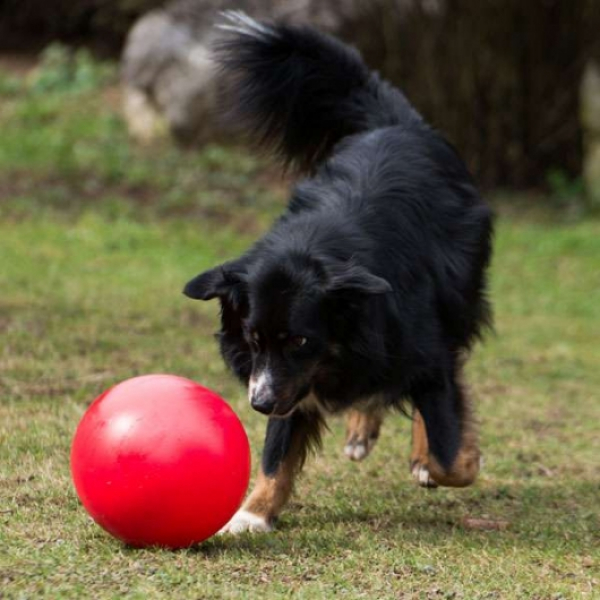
19	65
71	196
84	188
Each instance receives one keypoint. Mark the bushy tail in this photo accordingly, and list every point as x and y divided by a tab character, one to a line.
301	91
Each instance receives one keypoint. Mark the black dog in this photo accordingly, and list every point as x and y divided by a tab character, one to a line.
370	289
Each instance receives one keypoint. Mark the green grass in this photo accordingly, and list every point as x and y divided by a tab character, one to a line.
98	236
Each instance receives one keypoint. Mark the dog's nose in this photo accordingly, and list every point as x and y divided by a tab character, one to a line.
262	404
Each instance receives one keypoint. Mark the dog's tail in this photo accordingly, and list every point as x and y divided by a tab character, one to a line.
301	91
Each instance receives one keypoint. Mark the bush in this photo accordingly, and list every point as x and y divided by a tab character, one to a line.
64	70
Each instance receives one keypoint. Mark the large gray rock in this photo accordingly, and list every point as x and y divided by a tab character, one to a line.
168	74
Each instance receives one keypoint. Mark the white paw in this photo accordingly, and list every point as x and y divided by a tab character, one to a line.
356	450
421	475
246	521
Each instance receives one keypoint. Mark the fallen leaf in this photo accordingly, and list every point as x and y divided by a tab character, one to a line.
544	471
484	524
587	562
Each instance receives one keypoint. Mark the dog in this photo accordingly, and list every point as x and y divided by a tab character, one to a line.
368	292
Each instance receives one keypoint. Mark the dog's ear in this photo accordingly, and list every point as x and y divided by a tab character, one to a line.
216	283
348	277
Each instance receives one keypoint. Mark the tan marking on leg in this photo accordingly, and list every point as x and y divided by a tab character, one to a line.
270	494
362	431
419	456
420	446
465	468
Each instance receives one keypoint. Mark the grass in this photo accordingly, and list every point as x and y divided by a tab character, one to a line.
97	237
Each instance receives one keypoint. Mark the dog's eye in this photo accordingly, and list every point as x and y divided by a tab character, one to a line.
299	341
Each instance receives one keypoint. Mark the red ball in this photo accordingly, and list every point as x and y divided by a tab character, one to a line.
159	460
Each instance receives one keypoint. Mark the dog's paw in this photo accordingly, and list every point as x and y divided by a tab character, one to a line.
244	520
361	434
357	449
421	475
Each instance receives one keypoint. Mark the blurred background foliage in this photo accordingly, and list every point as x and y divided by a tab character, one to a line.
65	149
501	78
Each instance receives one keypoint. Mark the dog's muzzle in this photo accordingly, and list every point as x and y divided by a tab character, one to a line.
262	403
273	401
262	398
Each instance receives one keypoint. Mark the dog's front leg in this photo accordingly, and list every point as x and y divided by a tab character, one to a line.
362	431
419	456
453	452
286	445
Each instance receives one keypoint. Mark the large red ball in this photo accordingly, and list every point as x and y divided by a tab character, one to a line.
160	460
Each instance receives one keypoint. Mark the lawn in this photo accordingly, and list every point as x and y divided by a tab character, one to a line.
97	238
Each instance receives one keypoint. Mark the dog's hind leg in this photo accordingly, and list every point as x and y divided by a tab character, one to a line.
287	443
453	451
419	456
362	432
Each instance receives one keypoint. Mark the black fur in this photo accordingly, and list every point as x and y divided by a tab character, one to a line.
373	283
304	427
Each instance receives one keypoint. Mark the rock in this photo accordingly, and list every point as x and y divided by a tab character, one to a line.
144	122
167	71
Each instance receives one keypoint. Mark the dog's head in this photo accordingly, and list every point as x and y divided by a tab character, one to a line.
280	315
